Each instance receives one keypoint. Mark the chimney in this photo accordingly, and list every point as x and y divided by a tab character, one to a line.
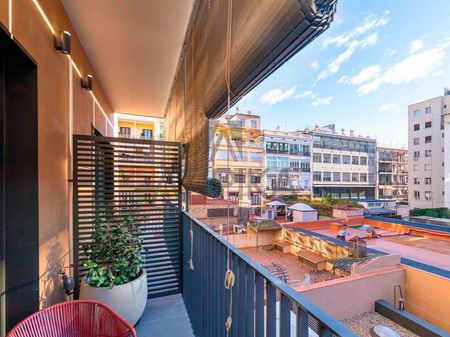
352	133
343	131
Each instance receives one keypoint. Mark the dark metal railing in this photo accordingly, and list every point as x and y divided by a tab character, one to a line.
258	297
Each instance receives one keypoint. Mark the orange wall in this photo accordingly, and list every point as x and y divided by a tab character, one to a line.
308	225
59	93
428	296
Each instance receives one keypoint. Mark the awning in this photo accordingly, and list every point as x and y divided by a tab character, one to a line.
264	35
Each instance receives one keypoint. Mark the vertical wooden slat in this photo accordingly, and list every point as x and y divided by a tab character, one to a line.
325	332
242	318
302	323
271	319
259	312
285	316
235	310
250	321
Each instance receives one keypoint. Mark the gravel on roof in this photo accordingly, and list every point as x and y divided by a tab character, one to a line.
361	324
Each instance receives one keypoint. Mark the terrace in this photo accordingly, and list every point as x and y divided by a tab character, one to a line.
71	76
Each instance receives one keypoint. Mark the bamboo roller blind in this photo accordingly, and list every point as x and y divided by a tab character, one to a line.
265	34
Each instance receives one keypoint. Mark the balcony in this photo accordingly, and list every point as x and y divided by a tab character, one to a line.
262	304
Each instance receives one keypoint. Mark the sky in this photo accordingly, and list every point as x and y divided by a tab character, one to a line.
377	57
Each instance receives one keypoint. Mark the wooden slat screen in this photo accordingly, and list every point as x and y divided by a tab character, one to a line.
115	178
265	34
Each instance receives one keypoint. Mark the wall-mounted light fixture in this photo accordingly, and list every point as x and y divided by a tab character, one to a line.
61	41
87	82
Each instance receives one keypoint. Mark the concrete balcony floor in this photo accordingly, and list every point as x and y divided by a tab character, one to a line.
165	317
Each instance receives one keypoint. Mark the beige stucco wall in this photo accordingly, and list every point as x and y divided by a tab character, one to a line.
248	240
353	295
428	296
59	93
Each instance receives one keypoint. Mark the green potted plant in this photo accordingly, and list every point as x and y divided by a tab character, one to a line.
115	273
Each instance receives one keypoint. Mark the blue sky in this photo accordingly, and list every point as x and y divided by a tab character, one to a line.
377	57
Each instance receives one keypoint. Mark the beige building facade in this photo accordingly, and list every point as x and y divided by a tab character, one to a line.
427	127
237	157
392	173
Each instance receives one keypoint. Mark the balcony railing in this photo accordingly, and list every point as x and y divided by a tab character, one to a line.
288	188
258	297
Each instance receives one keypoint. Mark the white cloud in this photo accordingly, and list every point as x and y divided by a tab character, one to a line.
336	64
365	75
322	101
388	107
276	95
413	67
314	65
416	45
307	93
371	22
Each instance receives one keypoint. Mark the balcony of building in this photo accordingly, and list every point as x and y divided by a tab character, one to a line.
64	70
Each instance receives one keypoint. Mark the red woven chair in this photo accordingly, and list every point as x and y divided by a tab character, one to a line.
74	319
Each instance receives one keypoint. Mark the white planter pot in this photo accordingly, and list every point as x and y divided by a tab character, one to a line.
128	299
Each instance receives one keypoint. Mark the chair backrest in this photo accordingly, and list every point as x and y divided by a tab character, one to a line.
74	319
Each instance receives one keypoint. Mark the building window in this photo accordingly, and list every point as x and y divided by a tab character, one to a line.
327	176
255	178
363	161
363	177
355	177
427	195
147	134
223	177
239	178
257	157
124	132
255	197
416	181
416	127
346	160
427	181
371	162
427	153
416	113
336	159
371	178
416	141
317	157
327	158
416	155
222	155
427	125
346	176
428	110
305	167
317	176
417	195
294	165
355	160
242	122
336	176
233	196
427	167
253	124
427	139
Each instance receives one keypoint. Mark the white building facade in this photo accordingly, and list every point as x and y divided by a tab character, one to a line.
343	165
428	146
287	163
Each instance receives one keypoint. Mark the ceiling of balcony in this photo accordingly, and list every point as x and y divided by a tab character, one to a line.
134	46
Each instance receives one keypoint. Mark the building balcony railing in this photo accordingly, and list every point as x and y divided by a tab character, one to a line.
288	188
258	296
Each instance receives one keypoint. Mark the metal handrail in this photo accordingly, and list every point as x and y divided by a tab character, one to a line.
328	324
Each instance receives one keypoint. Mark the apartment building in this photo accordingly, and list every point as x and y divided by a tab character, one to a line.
343	165
392	173
139	127
426	149
287	163
237	157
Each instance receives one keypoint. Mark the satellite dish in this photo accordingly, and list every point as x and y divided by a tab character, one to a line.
383	331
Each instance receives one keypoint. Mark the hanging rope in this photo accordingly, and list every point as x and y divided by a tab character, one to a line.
229	275
191	230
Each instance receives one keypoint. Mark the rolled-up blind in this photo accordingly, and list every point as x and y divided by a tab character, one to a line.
264	35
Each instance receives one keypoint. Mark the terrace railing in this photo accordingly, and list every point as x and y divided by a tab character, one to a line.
258	297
